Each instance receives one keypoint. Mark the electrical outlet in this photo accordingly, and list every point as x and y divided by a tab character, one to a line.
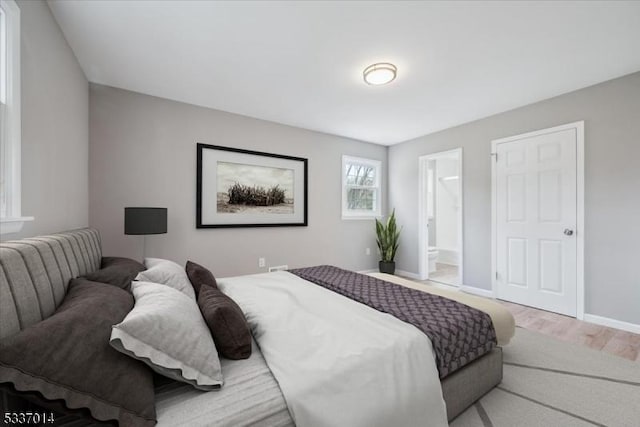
262	262
367	251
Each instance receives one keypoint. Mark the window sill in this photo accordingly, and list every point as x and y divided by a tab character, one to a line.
13	225
360	217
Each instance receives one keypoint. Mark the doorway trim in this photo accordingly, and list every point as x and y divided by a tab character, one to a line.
579	127
423	228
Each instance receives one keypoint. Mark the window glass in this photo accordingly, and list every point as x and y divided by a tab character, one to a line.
360	188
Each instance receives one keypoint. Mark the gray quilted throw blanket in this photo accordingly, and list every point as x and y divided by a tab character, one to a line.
459	333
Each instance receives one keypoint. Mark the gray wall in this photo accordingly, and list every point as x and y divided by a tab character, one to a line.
143	153
611	112
55	127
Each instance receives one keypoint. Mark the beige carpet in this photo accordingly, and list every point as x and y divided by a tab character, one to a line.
552	383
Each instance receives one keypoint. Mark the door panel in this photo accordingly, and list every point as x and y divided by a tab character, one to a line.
550	196
516	198
517	254
551	266
536	193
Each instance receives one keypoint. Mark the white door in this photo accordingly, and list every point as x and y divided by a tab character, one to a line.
536	216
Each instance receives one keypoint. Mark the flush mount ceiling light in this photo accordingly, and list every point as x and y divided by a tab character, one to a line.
380	73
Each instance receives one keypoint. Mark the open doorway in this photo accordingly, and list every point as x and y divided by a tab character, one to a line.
441	217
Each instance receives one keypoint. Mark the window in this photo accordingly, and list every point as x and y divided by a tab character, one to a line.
10	133
361	198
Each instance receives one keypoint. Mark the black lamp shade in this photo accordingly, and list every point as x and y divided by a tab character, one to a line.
145	220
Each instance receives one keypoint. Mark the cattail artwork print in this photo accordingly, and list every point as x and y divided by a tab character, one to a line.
254	189
243	188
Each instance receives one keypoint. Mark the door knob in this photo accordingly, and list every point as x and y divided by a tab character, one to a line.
568	232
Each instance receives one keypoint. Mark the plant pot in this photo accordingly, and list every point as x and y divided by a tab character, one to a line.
388	267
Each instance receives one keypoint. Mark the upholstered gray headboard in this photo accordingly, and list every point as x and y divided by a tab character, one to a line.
35	274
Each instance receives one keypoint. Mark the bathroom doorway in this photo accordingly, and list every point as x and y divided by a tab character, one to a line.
440	222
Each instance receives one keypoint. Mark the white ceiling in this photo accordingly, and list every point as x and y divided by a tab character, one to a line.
300	63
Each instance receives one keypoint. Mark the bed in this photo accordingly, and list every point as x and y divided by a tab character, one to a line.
502	318
34	277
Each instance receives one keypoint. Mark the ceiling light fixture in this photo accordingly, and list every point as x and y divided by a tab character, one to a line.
380	73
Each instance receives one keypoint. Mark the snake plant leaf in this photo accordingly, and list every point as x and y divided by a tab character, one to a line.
388	237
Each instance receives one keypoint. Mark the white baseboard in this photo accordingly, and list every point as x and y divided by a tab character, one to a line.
408	274
371	270
487	293
612	323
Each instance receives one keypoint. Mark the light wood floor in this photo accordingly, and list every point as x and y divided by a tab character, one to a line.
601	338
564	328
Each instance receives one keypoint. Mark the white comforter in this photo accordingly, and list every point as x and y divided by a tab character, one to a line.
338	362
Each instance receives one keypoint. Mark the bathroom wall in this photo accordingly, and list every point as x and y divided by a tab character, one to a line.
431	203
447	202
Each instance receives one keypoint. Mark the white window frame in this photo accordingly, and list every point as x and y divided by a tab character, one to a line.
11	219
362	214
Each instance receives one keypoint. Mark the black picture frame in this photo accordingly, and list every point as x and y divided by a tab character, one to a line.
207	181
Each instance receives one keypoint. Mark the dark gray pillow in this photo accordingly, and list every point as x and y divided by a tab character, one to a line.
67	357
226	322
116	271
199	275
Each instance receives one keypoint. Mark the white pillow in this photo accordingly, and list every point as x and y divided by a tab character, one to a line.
168	273
151	262
166	331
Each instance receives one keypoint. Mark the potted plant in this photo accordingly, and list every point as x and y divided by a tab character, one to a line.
388	238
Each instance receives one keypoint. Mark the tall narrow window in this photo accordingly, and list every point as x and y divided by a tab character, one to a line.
11	219
361	193
3	111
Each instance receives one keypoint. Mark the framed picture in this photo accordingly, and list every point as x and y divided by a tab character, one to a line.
242	188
